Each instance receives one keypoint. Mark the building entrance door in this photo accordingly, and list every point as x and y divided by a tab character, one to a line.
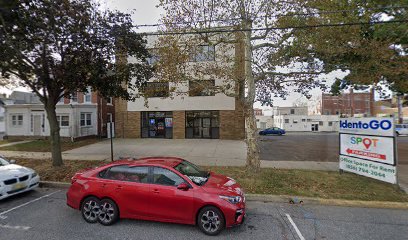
315	127
37	125
202	128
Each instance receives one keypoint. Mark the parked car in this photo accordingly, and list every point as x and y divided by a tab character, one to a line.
162	189
15	179
401	129
274	130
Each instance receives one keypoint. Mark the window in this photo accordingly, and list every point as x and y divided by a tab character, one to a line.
109	101
309	120
17	120
303	120
63	120
126	173
201	88
320	123
292	111
156	89
204	53
330	124
154	57
166	177
86	119
295	121
74	97
110	117
286	120
88	95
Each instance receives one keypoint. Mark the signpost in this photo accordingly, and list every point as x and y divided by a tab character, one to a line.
368	148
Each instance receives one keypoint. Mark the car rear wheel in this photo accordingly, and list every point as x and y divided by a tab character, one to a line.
211	221
109	212
90	209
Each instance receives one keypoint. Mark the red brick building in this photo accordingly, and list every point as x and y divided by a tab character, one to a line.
349	104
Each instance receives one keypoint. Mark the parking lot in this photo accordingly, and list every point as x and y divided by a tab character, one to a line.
43	214
320	147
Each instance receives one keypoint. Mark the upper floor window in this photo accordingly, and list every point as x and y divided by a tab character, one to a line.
109	100
17	120
292	111
156	89
154	57
74	97
204	53
88	95
201	88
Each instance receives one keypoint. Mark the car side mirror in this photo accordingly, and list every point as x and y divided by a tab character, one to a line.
183	186
12	161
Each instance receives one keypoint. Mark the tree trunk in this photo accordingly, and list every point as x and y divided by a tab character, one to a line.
400	113
54	134
252	162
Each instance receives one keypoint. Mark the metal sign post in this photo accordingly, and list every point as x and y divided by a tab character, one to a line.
111	139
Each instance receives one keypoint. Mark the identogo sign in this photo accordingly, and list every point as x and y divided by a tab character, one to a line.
367	147
368	126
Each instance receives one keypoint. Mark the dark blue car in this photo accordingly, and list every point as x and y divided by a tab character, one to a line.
274	130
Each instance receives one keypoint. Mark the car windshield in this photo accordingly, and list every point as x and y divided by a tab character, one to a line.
3	162
197	175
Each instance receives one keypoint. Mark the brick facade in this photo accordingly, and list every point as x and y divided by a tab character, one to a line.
349	104
179	124
232	123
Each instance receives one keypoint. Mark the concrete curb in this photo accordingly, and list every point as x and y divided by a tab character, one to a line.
286	199
48	184
329	202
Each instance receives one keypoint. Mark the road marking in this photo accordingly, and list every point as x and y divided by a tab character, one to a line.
24	228
295	227
24	204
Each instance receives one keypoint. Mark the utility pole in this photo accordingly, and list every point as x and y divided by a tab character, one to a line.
399	105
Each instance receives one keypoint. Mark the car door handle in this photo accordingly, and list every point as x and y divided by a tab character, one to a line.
119	187
156	191
103	185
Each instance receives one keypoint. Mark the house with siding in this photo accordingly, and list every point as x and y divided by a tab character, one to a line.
81	115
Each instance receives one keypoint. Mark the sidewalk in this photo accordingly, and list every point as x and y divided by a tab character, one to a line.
199	151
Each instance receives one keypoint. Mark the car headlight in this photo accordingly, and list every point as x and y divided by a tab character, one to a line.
232	199
34	175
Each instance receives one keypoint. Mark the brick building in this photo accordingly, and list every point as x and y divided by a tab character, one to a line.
349	104
202	114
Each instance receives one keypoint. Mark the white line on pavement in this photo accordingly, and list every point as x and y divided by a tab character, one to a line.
22	205
24	228
295	227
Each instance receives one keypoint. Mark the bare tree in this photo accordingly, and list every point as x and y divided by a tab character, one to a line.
248	27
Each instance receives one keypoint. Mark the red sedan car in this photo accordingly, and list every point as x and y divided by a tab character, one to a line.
159	189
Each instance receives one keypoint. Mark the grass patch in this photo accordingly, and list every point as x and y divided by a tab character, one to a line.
45	145
5	141
321	184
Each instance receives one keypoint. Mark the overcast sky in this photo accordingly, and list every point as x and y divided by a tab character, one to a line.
146	12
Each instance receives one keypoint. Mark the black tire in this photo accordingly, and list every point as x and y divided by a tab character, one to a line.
90	209
109	212
211	226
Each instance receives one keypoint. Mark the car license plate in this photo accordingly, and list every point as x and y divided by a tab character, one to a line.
18	186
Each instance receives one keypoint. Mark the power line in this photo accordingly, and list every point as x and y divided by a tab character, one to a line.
273	28
271	16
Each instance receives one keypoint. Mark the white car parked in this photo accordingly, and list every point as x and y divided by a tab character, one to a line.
15	179
401	129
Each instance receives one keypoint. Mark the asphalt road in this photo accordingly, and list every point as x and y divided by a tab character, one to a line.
321	147
43	214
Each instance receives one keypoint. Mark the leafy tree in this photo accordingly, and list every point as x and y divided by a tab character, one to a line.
232	25
58	47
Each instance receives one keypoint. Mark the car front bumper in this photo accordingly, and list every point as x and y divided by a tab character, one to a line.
19	187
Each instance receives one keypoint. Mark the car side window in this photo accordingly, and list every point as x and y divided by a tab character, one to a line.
166	177
138	174
117	173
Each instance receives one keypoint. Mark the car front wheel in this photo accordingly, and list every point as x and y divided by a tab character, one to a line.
90	209
211	221
109	212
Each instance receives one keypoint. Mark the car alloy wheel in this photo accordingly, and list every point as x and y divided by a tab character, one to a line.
211	221
90	209
108	213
